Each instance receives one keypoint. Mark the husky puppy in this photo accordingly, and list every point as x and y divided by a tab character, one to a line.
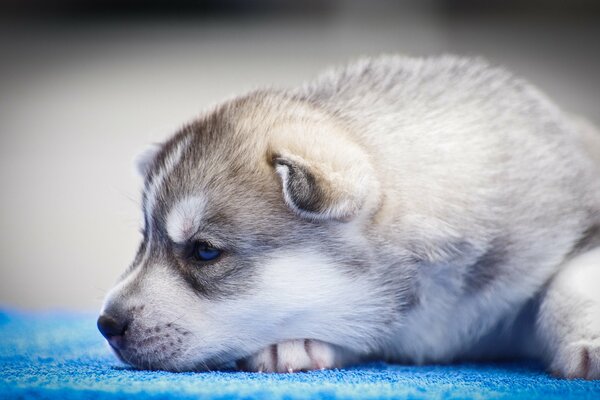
401	209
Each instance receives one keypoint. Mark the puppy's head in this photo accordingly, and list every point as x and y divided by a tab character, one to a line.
252	235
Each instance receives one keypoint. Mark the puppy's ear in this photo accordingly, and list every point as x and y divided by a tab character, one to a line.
316	191
144	160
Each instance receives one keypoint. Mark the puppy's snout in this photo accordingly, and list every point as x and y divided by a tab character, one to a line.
112	328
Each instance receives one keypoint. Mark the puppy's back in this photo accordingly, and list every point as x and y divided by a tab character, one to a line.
466	150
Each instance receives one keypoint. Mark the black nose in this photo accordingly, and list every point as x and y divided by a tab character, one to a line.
112	328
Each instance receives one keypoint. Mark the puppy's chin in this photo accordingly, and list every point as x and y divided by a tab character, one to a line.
152	360
144	354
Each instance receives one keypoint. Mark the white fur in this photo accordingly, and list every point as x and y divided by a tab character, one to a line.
185	217
307	284
569	319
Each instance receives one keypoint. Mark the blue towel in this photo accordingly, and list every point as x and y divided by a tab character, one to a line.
56	355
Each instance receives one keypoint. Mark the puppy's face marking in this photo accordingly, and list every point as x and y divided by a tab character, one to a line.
277	275
184	218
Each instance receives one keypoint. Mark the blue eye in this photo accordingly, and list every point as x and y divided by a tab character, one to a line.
205	252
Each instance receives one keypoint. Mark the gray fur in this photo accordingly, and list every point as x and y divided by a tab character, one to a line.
488	267
589	239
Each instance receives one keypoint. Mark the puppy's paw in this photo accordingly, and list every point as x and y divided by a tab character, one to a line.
292	356
578	360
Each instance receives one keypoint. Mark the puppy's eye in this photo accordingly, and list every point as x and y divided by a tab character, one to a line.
205	252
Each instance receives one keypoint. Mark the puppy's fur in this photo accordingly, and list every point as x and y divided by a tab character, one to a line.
412	210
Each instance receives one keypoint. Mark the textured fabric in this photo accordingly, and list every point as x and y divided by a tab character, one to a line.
62	356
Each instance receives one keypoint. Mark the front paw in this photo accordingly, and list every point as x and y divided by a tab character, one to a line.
578	360
292	356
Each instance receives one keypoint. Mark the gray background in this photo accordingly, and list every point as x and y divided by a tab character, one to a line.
82	90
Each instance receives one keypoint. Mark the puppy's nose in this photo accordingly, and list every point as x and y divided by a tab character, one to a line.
112	329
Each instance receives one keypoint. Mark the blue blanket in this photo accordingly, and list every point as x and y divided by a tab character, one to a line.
62	356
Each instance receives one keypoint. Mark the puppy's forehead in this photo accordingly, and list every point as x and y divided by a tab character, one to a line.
215	165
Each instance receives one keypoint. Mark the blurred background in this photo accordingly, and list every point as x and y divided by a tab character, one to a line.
84	85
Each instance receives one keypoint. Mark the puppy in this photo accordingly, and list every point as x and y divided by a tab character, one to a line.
400	209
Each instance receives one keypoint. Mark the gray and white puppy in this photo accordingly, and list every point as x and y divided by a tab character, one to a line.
402	209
